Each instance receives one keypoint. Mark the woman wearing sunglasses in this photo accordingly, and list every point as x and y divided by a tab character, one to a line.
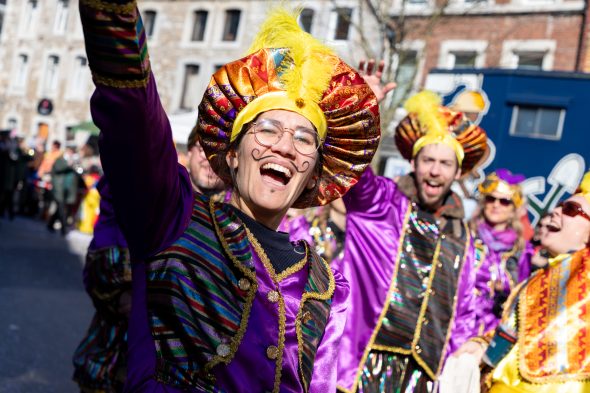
503	255
545	348
223	302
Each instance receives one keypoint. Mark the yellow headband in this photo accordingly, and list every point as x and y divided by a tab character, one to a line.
584	187
280	100
432	138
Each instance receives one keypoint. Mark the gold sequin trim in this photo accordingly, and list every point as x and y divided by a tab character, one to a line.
415	347
121	84
110	7
282	317
237	338
452	321
311	295
385	305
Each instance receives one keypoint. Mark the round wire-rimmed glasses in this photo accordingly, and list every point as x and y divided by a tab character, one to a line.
269	132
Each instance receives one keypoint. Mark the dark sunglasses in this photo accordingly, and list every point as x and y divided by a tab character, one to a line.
572	209
503	201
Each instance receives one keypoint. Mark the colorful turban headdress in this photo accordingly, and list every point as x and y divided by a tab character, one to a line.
584	187
289	69
504	181
428	122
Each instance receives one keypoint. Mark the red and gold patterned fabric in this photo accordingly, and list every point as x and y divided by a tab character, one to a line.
471	137
554	328
348	110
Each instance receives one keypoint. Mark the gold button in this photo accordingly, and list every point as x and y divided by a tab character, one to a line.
272	352
273	296
223	350
425	321
244	284
418	349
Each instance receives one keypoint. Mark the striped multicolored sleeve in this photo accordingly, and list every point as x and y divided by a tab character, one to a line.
115	43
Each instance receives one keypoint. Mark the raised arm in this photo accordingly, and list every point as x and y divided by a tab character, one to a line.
371	194
152	194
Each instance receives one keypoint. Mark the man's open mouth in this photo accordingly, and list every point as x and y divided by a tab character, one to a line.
276	173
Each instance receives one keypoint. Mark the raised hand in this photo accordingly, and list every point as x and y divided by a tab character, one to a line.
373	78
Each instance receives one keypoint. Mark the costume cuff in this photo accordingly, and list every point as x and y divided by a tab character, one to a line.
115	43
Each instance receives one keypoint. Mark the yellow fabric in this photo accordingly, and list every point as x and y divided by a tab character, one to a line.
506	379
432	138
90	207
557	259
584	188
280	100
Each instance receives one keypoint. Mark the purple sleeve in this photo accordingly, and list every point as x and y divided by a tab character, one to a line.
152	194
464	326
524	264
371	194
324	369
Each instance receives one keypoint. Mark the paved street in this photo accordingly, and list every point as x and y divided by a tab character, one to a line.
44	310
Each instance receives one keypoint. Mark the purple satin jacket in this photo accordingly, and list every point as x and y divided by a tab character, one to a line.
153	195
375	214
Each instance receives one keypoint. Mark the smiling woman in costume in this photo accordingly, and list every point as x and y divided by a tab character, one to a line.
503	256
224	302
541	344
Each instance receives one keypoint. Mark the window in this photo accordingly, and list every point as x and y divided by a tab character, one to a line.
406	74
232	22
343	19
29	16
537	122
12	123
530	60
462	54
190	87
51	75
22	69
199	25
528	54
306	19
79	78
1	21
61	17
149	21
464	59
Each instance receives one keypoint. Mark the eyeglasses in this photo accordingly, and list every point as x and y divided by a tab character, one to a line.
572	209
269	132
503	201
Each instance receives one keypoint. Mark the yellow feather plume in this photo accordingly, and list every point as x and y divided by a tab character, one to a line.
426	106
312	70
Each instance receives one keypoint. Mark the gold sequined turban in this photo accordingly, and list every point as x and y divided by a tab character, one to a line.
289	69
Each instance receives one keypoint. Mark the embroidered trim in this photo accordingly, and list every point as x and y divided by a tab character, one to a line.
306	296
121	83
423	308
452	320
282	317
110	7
237	339
385	305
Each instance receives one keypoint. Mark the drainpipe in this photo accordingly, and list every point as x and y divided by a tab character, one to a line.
582	39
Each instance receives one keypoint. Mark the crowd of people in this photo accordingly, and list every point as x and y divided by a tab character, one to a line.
46	184
278	261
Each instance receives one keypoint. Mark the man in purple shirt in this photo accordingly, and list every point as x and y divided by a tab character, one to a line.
409	258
